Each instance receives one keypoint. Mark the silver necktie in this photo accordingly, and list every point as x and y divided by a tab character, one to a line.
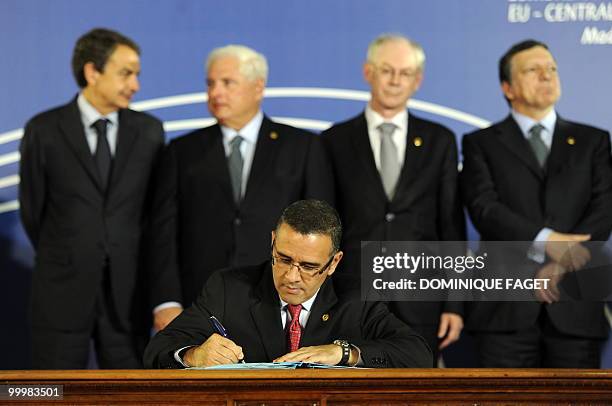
537	144
389	163
235	163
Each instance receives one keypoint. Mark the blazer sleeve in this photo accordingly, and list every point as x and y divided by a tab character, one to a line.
451	219
490	216
32	186
190	328
318	182
388	342
162	233
597	219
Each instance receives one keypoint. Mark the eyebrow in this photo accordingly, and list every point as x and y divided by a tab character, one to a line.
301	263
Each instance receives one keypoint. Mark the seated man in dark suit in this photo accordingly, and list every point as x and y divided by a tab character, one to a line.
287	309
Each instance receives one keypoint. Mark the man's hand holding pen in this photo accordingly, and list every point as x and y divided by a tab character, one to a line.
216	350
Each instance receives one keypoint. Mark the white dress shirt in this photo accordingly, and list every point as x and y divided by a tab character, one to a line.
399	136
90	115
249	133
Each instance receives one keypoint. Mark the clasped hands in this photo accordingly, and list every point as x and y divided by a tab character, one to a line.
566	254
218	350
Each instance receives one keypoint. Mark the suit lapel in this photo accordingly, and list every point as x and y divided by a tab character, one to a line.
560	149
510	135
318	328
72	129
363	150
418	142
265	153
126	137
215	159
265	310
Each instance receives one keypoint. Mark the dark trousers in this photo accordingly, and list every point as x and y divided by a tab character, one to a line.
54	348
539	346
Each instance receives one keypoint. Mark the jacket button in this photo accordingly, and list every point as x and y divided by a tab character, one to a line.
389	217
237	221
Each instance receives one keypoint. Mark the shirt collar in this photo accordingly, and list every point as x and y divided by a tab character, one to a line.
525	123
249	132
374	119
307	305
90	115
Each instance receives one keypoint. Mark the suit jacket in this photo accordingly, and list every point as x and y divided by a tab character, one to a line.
247	304
198	227
74	226
510	198
426	205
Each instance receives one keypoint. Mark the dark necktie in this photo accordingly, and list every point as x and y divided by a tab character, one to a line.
102	155
294	332
389	164
537	144
235	163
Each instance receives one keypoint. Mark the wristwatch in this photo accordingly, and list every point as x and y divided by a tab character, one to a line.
346	351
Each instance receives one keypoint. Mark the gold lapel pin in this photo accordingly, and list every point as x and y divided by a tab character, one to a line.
325	317
274	135
418	141
571	140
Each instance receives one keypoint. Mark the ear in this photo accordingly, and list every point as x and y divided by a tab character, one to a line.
418	79
91	73
335	262
368	72
260	86
272	240
507	89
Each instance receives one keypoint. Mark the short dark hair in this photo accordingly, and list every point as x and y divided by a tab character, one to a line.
97	46
313	217
505	68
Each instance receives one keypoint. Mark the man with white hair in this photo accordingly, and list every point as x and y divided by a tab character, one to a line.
220	189
396	177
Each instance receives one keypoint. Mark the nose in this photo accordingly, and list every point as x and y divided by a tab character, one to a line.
214	91
394	78
546	74
293	273
134	84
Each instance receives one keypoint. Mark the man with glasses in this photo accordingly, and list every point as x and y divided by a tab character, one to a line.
396	177
287	309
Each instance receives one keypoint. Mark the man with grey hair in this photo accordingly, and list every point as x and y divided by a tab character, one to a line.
395	177
220	189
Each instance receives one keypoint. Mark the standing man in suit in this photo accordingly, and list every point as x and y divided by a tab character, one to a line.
85	176
396	177
287	309
537	177
222	188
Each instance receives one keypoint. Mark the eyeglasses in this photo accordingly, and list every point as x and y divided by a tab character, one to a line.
403	74
284	264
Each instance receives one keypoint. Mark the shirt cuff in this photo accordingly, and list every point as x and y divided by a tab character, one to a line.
537	250
166	305
179	359
359	359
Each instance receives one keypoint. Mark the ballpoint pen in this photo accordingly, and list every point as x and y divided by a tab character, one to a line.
220	330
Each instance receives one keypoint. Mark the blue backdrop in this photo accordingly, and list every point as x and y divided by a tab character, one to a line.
315	50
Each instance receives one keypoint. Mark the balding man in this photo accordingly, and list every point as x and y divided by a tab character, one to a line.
221	188
396	177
